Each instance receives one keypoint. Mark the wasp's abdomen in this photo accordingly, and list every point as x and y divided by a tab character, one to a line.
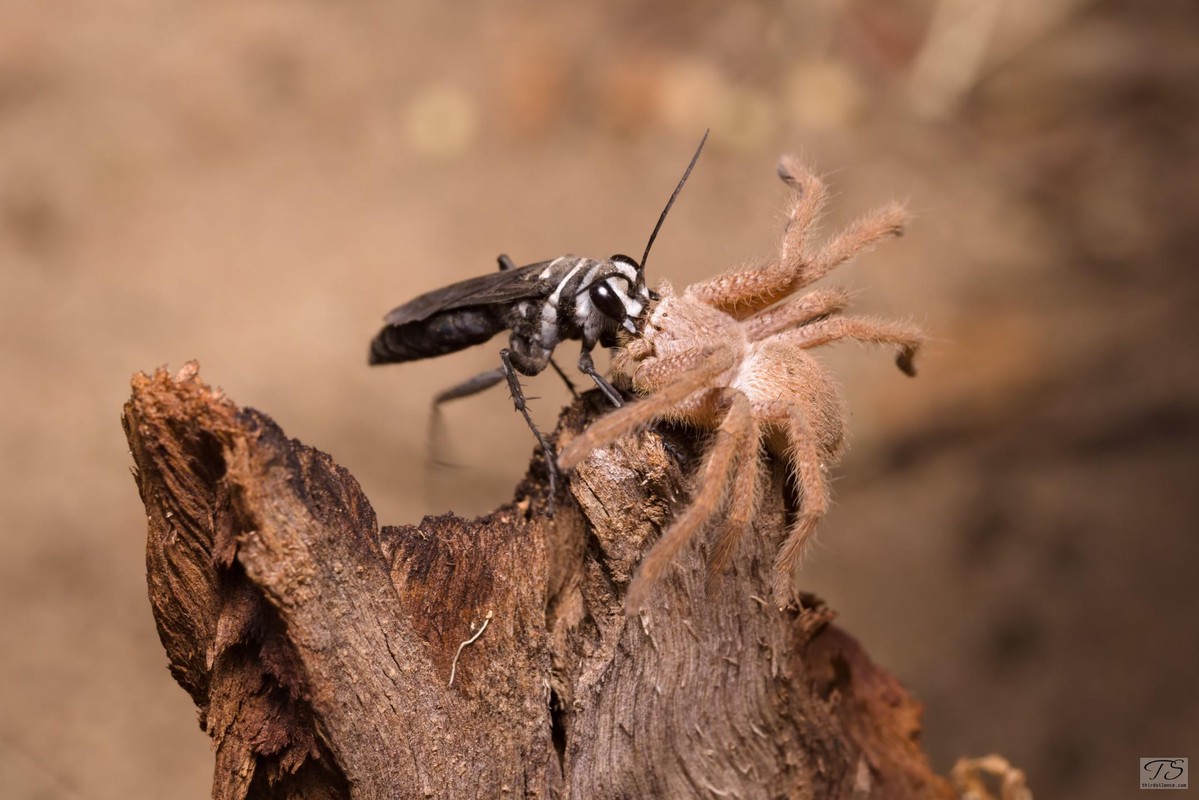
444	332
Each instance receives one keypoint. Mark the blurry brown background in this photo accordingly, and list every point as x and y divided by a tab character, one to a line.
255	184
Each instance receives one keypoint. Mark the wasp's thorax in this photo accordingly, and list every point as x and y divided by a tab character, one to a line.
591	299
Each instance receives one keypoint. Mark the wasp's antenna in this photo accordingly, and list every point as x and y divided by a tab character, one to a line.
670	202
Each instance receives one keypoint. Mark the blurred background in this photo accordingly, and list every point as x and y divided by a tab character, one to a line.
254	184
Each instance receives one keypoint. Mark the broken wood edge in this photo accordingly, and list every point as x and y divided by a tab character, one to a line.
319	648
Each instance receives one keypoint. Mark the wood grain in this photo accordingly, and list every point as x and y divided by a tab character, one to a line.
319	647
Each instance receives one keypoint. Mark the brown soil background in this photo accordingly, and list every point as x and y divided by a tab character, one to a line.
256	184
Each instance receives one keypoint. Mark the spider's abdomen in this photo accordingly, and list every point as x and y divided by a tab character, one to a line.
779	379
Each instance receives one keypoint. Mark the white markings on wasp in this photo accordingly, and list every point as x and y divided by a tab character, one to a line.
472	311
626	269
583	298
545	273
632	306
550	334
553	300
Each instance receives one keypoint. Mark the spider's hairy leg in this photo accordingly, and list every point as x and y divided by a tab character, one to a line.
805	465
743	503
794	313
864	329
861	236
809	199
680	376
741	294
734	433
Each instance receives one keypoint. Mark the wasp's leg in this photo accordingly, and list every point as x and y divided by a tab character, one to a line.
569	383
587	367
518	400
505	262
479	383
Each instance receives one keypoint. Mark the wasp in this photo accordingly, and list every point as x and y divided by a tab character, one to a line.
542	305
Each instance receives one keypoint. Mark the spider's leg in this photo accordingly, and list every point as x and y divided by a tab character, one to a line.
711	486
809	474
518	400
864	329
688	373
794	313
862	235
743	503
810	195
742	294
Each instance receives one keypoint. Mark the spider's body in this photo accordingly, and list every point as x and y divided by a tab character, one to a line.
729	355
762	368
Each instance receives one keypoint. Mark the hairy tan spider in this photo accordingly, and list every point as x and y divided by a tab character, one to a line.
723	356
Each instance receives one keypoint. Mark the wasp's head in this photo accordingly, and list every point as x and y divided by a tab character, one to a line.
619	292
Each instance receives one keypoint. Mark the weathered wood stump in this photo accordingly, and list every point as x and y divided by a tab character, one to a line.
320	648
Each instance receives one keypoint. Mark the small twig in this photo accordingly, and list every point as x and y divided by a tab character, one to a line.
471	640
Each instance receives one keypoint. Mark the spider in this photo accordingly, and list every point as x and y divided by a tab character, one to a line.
727	355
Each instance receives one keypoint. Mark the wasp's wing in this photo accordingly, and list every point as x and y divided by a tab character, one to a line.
507	286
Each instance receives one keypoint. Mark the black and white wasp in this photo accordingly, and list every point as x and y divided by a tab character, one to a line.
542	304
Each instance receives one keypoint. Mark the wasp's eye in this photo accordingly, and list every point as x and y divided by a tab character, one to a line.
607	302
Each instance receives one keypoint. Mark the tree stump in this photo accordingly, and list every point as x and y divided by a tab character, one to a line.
491	657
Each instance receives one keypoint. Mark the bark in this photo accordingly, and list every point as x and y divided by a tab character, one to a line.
319	648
